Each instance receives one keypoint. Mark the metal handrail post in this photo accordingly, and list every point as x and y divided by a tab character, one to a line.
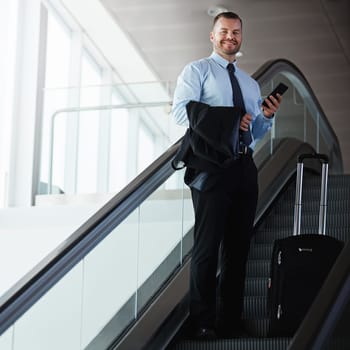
85	109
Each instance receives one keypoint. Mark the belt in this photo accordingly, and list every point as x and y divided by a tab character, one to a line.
245	150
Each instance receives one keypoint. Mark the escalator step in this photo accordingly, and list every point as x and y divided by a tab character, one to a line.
256	287
234	344
261	251
312	207
285	221
337	180
334	181
257	327
279	224
255	307
313	194
279	221
258	268
268	236
338	184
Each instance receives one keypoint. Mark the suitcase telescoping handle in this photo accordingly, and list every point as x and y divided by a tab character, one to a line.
299	188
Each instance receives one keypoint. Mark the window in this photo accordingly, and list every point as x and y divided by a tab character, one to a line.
8	40
146	147
118	146
57	78
88	137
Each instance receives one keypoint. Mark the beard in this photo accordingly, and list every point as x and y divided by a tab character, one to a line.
228	49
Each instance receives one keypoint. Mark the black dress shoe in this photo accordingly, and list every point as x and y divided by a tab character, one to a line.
205	334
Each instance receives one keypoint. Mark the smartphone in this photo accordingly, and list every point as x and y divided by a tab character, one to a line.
280	89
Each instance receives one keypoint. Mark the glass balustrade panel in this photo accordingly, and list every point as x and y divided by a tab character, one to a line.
162	229
297	116
54	321
188	222
110	283
6	340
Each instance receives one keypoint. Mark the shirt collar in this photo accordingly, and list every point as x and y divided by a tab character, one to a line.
221	61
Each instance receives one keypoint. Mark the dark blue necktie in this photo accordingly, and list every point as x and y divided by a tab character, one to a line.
245	136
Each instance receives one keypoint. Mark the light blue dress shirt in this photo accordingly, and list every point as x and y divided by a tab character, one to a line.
207	80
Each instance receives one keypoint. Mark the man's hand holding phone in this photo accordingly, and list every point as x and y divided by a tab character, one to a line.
272	102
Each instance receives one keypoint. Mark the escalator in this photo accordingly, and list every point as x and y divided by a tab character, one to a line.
68	285
277	223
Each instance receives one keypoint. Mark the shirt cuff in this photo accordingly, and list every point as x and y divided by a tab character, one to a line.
268	118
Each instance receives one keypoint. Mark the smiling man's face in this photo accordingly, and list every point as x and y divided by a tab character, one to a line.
227	37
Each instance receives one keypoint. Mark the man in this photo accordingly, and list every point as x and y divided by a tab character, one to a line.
225	201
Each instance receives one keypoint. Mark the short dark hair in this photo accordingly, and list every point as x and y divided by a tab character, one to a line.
226	14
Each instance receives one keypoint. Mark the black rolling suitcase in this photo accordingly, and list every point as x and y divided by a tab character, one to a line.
300	263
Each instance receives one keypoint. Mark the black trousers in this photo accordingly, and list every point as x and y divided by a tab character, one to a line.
224	218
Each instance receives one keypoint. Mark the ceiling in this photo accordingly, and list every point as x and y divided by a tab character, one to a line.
313	34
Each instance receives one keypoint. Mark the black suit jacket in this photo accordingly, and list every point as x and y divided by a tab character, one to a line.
211	142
